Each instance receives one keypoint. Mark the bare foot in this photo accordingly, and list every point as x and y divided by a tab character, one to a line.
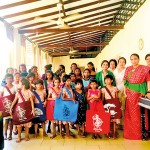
35	135
44	134
27	138
52	136
18	140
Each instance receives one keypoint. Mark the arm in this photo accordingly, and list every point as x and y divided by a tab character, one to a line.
32	105
103	97
89	98
97	97
13	103
148	87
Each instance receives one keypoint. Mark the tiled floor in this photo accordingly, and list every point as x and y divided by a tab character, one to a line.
76	144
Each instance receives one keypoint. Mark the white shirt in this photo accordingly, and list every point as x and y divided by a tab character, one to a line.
119	79
5	92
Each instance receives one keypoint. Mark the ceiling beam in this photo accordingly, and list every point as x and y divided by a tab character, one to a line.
78	53
17	4
95	28
74	45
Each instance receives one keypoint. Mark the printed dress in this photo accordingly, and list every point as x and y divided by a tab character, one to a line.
81	117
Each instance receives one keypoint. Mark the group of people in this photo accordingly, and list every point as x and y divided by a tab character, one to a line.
87	87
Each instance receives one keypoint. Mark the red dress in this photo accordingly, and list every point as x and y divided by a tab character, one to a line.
132	124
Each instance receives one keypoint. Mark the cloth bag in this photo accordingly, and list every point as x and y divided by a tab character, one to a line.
97	120
113	106
65	110
40	111
22	112
5	103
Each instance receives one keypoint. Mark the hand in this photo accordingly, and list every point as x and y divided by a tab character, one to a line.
33	112
147	95
74	100
125	95
45	103
10	111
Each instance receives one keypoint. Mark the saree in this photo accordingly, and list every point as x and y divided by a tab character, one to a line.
135	83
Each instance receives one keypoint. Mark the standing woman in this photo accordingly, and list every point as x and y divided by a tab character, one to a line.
119	75
112	65
91	67
137	83
101	75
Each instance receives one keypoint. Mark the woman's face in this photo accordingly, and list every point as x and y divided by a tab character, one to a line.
49	75
112	65
89	66
105	66
134	60
121	63
148	61
73	67
22	68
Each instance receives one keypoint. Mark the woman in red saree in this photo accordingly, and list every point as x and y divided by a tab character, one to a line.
137	83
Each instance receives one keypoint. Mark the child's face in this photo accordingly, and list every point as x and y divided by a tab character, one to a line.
73	78
34	69
9	80
56	83
11	71
86	73
89	66
78	86
77	72
22	68
36	75
49	75
73	67
17	77
68	82
108	81
39	86
31	79
93	85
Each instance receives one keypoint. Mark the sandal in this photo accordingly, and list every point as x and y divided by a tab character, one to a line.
53	136
18	140
10	137
27	139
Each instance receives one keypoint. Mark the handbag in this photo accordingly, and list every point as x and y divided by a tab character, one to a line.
97	120
22	112
65	110
5	103
40	111
113	106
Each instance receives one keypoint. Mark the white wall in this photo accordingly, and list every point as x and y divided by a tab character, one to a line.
123	44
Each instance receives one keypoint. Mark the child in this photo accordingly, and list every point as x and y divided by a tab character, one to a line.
28	96
4	92
78	73
54	92
93	97
80	97
86	79
31	78
105	95
73	78
16	84
48	83
61	79
42	94
67	94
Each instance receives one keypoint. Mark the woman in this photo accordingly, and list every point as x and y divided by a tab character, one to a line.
137	83
101	75
91	67
119	74
46	67
147	58
73	67
112	65
60	70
